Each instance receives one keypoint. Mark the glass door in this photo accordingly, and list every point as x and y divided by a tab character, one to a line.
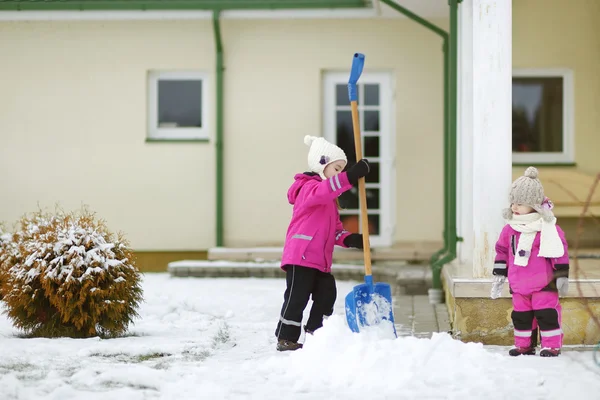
374	105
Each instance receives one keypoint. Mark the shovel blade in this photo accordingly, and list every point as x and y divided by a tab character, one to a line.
369	305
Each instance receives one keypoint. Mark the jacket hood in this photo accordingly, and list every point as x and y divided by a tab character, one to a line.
299	181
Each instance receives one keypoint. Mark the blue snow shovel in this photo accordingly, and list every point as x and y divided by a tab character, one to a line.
367	304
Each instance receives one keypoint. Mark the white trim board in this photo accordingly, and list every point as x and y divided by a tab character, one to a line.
94	15
431	9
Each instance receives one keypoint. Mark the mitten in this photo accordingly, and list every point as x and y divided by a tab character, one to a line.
497	286
357	171
354	240
562	284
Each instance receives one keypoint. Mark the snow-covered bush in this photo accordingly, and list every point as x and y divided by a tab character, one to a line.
68	275
6	251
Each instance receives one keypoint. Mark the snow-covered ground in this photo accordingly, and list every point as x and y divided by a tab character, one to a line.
214	339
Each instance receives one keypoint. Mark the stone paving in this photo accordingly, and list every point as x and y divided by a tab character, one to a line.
413	314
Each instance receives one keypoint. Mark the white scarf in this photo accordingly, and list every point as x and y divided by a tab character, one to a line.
529	225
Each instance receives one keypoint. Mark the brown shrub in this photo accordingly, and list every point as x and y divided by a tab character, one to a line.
67	275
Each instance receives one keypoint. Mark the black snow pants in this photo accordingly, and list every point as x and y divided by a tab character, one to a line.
302	282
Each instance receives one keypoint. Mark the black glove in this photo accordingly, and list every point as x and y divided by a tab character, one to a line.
354	240
357	171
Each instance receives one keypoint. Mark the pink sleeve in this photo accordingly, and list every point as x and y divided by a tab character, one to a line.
561	264
501	259
502	247
326	190
340	233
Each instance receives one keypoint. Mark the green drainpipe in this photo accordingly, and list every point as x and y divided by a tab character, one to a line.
442	252
448	253
450	236
219	127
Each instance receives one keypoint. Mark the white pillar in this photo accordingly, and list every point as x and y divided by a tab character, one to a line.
485	127
464	192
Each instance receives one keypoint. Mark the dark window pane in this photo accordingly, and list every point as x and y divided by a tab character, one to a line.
537	114
371	146
373	176
345	134
351	223
372	199
179	103
373	224
372	121
349	199
371	95
341	95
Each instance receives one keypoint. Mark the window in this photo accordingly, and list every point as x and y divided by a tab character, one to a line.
177	105
542	116
375	105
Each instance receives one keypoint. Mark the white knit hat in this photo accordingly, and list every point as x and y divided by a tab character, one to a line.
322	153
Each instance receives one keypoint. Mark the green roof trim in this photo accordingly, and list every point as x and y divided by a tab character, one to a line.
130	5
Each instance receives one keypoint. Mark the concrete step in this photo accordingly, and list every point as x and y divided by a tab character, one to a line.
407	251
404	278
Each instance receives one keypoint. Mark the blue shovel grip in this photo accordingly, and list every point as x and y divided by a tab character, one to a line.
358	61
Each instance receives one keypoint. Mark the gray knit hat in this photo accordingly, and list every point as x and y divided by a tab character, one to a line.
528	190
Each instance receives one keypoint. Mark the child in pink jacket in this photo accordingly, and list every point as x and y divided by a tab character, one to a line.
313	232
532	253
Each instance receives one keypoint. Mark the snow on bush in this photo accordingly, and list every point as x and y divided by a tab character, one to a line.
68	275
7	254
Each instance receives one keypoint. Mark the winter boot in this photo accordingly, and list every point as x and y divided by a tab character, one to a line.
285	345
546	352
517	351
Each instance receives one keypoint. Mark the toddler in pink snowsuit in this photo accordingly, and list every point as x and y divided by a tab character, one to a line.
532	254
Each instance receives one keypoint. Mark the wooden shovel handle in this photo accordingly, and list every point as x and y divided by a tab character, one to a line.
362	193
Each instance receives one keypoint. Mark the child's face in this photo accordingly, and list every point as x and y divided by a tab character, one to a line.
334	168
521	209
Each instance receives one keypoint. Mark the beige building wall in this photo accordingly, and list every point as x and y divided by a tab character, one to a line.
162	195
73	128
274	97
565	34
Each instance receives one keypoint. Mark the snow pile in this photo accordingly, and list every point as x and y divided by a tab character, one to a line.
67	275
214	339
416	368
375	311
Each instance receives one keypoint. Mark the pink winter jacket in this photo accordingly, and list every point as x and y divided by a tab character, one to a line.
315	226
539	274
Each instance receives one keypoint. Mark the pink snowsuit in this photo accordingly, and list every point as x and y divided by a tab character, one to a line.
315	227
533	288
313	232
